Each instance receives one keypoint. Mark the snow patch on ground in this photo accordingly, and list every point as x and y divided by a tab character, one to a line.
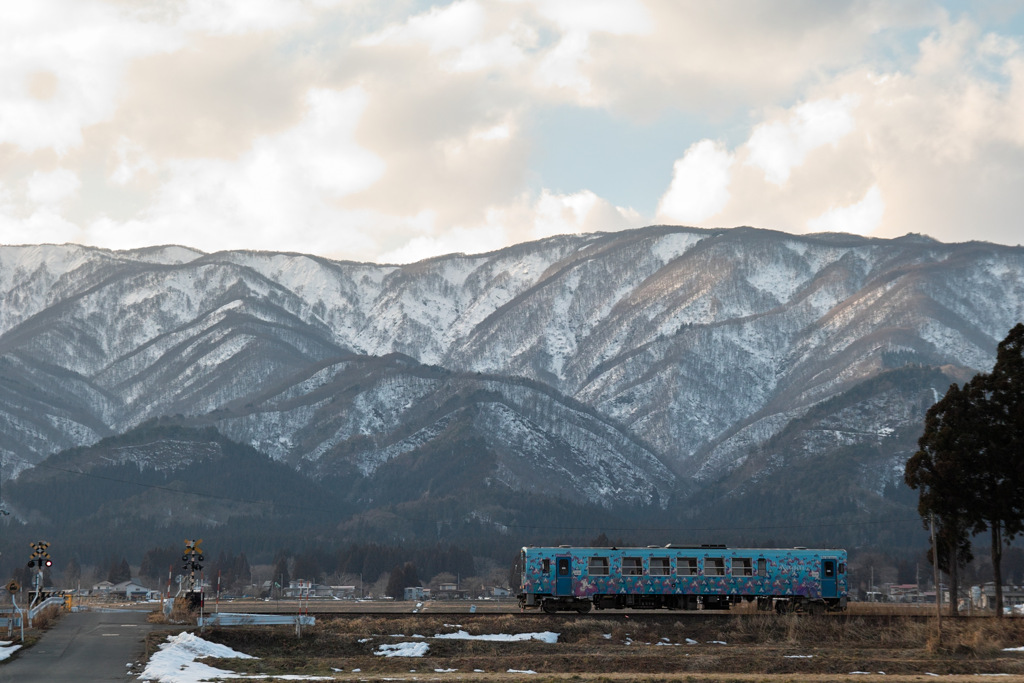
176	660
402	650
543	636
7	648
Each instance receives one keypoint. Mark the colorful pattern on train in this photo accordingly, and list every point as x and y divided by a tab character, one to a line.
564	577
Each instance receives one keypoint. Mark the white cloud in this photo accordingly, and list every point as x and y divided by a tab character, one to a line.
861	218
227	17
52	187
280	194
43	225
524	219
562	67
61	66
131	160
454	241
778	146
700	184
442	28
269	124
618	17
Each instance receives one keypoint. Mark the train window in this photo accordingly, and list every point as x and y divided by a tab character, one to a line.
742	566
659	566
598	566
762	567
563	566
545	566
830	569
842	567
686	566
632	566
714	566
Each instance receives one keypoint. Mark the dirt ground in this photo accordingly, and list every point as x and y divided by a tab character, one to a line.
662	647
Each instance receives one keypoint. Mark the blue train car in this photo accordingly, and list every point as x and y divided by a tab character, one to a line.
682	577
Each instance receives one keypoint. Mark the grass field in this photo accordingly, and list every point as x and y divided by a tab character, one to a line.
617	647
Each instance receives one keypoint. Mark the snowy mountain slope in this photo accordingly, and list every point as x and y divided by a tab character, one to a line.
352	418
605	356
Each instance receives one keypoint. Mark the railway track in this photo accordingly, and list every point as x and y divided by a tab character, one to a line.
466	611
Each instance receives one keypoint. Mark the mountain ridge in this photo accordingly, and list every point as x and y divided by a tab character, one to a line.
634	368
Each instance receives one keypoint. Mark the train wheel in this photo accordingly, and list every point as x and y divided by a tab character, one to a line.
785	606
583	607
549	607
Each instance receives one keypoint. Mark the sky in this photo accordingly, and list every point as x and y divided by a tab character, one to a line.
390	132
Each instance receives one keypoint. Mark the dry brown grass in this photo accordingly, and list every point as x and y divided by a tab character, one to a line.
617	647
183	612
46	618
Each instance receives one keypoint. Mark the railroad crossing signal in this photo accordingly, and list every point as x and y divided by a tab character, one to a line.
193	554
192	558
40	558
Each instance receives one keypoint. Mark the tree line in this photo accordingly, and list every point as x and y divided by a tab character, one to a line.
969	466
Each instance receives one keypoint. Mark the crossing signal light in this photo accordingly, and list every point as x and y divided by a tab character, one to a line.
40	557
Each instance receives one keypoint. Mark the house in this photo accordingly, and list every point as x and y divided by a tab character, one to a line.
129	590
500	592
907	592
450	591
126	590
416	593
1012	596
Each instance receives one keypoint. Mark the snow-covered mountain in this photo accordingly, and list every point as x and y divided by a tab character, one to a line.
627	368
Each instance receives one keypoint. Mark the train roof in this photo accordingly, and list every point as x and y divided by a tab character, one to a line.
673	546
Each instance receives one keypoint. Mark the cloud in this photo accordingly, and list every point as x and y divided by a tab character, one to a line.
934	147
453	27
616	17
279	194
227	17
52	187
777	146
700	184
861	218
61	67
526	218
366	130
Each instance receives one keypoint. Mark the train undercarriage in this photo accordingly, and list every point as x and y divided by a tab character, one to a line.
781	605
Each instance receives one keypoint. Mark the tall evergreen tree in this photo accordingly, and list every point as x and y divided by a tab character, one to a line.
242	571
281	575
72	573
970	463
945	452
1003	456
119	571
402	576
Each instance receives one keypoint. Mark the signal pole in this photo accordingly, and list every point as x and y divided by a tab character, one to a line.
193	558
40	558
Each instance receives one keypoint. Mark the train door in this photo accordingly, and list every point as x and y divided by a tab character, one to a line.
563	575
828	578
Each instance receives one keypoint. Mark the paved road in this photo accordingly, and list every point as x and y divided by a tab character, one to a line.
83	647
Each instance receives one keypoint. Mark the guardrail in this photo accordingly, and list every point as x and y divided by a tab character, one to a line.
54	600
